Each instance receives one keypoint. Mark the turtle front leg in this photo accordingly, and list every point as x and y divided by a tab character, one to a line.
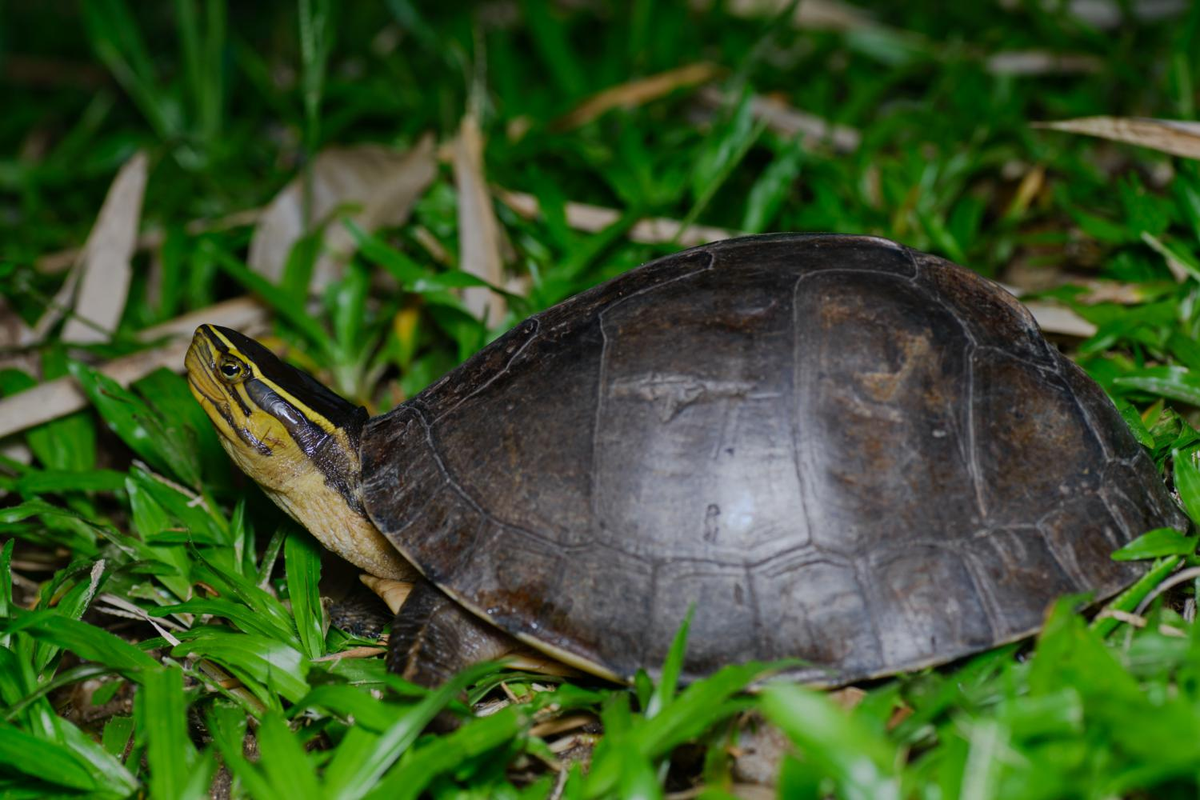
433	638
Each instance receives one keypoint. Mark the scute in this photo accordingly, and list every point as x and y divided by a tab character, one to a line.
836	448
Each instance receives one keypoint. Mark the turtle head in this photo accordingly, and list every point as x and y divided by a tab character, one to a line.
296	438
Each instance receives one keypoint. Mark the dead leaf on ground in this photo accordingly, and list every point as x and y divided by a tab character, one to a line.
1177	137
1032	183
787	121
478	231
592	219
152	239
62	396
1042	62
1060	320
382	185
1109	14
1100	291
15	336
829	15
847	697
580	216
50	73
99	284
760	750
637	93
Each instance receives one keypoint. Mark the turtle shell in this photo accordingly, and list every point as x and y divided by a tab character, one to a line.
837	448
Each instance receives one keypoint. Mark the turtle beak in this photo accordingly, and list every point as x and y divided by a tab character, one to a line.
201	364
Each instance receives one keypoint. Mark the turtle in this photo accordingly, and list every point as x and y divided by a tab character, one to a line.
831	448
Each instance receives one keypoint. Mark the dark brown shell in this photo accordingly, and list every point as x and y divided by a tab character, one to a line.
837	448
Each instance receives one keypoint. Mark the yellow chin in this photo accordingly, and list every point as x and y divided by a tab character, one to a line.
311	502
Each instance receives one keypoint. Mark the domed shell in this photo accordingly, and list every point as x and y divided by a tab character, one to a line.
837	448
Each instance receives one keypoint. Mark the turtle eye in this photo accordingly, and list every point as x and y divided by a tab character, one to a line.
231	369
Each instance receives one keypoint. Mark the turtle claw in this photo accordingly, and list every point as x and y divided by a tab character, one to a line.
394	593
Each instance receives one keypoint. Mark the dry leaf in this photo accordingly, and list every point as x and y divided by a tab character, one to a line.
1176	137
152	239
478	231
436	250
1029	188
847	697
15	335
636	93
1051	318
389	204
1109	14
1098	291
589	218
1042	62
828	15
1061	320
59	397
104	271
761	747
790	122
381	183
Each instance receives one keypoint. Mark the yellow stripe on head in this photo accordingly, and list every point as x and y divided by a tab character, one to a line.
286	381
261	404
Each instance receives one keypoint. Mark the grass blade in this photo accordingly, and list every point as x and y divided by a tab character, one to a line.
363	757
117	732
6	594
349	701
1155	543
426	762
302	562
1187	481
859	760
128	416
279	301
282	760
161	715
44	760
1176	383
275	667
664	693
86	641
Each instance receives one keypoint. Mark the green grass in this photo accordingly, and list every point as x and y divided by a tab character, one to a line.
130	503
